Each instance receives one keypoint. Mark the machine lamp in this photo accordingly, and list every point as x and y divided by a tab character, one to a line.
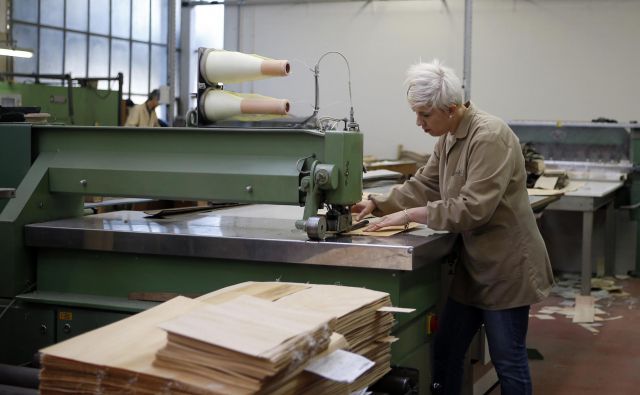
19	53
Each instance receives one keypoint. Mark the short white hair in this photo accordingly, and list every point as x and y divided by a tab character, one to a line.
433	84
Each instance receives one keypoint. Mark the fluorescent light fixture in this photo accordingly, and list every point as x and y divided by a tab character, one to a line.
19	53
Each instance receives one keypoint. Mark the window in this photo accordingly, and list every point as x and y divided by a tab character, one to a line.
95	38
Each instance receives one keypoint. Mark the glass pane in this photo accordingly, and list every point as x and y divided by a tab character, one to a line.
209	26
120	60
140	68
121	17
77	15
52	12
159	15
50	57
75	61
26	38
25	10
158	66
178	20
99	57
99	16
140	19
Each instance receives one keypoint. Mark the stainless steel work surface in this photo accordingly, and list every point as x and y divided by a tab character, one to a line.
263	233
596	189
590	197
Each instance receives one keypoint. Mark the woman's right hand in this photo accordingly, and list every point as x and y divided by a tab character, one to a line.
363	209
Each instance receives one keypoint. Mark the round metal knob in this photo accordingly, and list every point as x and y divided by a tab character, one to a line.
322	177
83	183
316	228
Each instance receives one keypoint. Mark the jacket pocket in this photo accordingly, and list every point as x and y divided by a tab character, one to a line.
455	183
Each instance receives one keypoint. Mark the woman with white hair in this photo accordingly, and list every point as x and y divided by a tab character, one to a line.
474	184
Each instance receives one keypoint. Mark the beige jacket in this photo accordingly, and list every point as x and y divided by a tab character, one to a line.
475	184
140	116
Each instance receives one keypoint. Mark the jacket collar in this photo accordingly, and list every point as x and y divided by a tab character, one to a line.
463	127
465	123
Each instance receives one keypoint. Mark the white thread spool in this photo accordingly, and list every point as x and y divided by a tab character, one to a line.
227	67
219	105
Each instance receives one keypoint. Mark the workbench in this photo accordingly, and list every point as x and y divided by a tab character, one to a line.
591	197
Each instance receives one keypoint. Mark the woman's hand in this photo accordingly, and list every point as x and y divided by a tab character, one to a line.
397	218
363	208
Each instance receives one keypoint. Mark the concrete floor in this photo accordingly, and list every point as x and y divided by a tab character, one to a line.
577	361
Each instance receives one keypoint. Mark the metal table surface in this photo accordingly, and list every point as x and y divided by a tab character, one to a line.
262	233
588	199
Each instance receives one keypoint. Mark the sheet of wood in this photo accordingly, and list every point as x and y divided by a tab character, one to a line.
391	309
177	210
157	296
384	232
544	192
265	290
232	325
573	186
355	307
141	334
331	299
546	182
130	346
584	309
590	328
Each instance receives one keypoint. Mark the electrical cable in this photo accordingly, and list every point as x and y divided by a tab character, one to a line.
28	288
351	124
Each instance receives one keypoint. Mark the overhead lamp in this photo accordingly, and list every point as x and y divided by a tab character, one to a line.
18	53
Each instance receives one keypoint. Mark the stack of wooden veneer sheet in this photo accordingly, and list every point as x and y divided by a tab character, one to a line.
246	342
366	329
132	355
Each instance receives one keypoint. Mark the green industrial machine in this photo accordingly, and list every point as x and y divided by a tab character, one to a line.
63	273
74	105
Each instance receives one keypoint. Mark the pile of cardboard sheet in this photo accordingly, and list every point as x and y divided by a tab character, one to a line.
251	346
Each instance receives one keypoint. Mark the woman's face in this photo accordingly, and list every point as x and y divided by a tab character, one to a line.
433	121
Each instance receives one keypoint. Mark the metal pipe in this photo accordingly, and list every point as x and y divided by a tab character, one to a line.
12	390
19	376
184	104
171	59
466	73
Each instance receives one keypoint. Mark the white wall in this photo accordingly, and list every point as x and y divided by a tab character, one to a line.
545	59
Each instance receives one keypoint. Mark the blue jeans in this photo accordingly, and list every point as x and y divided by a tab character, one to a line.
506	334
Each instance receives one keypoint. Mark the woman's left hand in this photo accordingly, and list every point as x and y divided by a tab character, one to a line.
397	218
